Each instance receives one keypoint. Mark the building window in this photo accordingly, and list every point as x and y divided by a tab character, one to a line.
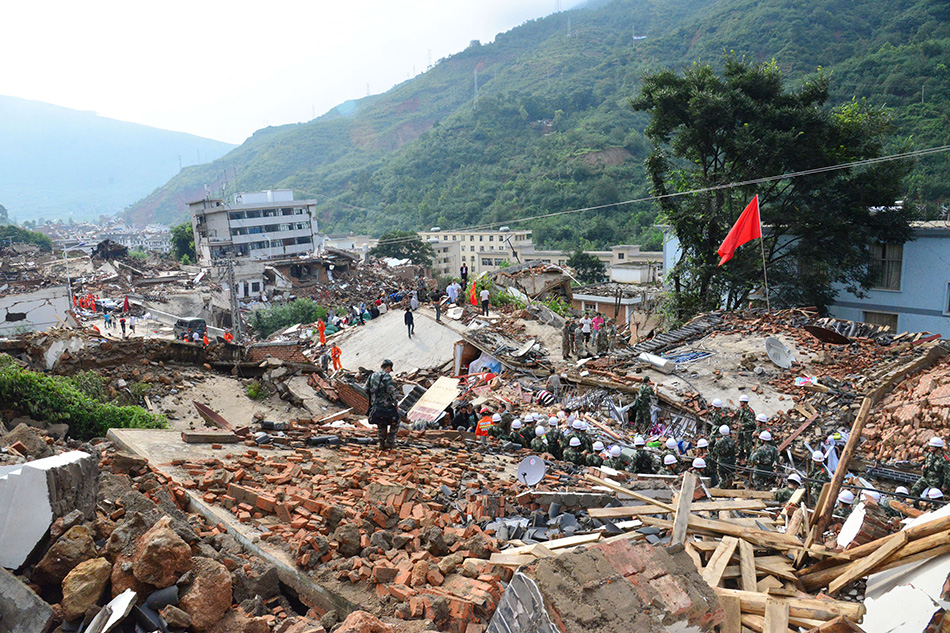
620	255
886	260
471	238
255	286
472	248
491	238
481	238
486	262
881	318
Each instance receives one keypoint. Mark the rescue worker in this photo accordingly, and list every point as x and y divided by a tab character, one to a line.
594	458
643	462
527	434
383	410
932	496
322	329
724	452
792	484
642	410
698	467
843	504
934	472
538	444
515	435
567	338
818	476
892	511
717	417
746	427
573	452
672	446
506	416
702	447
614	461
669	465
763	462
497	429
335	353
611	336
555	438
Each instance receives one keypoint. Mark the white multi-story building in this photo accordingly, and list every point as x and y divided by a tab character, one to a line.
481	251
258	225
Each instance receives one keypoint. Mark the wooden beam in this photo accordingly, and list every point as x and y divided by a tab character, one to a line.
747	565
824	512
810	608
776	616
741	494
681	516
758	537
702	506
712	574
732	608
791	438
861	567
614	486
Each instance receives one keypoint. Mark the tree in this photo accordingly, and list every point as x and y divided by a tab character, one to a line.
183	242
11	234
709	130
404	245
590	270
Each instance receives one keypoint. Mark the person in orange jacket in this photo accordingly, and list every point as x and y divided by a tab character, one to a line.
335	353
228	337
205	340
322	328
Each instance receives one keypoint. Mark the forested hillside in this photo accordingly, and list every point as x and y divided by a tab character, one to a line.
551	128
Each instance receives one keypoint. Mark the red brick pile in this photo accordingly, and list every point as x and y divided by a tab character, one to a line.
402	523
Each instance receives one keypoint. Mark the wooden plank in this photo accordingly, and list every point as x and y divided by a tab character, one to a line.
801	429
728	528
747	565
811	608
732	610
561	543
767	583
614	486
701	506
681	516
333	417
840	624
776	616
694	555
511	560
712	574
741	494
823	512
861	567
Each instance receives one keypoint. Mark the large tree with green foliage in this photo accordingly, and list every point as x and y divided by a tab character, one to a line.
183	242
10	234
711	129
404	245
589	269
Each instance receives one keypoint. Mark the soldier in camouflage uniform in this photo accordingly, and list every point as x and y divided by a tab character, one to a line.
818	476
717	417
611	335
556	441
763	461
935	471
515	435
886	503
724	453
698	467
383	411
784	494
574	454
642	409
747	427
643	462
669	465
594	459
538	444
614	461
580	432
844	504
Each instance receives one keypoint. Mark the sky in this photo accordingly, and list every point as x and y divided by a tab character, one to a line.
223	69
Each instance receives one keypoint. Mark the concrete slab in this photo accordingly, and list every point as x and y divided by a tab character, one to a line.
386	337
21	610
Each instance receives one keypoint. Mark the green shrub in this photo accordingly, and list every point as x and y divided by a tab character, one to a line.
267	321
255	391
91	384
58	399
558	305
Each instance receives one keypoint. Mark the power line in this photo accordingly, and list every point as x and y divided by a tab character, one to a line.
744	183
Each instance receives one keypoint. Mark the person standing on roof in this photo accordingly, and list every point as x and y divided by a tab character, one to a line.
724	452
935	470
746	427
763	461
642	410
383	411
335	353
586	328
817	476
485	296
322	329
453	291
410	321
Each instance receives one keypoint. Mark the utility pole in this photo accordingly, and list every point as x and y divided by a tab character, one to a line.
236	324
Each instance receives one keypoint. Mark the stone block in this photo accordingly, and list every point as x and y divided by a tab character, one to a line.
21	610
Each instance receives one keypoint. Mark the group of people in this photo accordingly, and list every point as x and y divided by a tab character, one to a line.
588	336
111	322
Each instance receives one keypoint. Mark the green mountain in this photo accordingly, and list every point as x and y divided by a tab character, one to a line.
551	128
59	163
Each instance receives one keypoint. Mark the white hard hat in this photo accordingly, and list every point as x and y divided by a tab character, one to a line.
669	460
496	418
761	418
577	425
702	443
615	451
598	446
743	398
818	456
699	462
724	429
796	478
552	421
671	444
846	496
516	424
717	403
901	490
934	493
575	441
539	431
529	417
937	442
765	436
639	441
874	494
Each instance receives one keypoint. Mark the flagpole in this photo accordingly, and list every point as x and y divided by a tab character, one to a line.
765	274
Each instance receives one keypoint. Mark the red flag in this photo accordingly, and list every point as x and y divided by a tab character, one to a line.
473	299
747	228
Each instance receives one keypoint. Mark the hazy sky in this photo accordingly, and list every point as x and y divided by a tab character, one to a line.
224	69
